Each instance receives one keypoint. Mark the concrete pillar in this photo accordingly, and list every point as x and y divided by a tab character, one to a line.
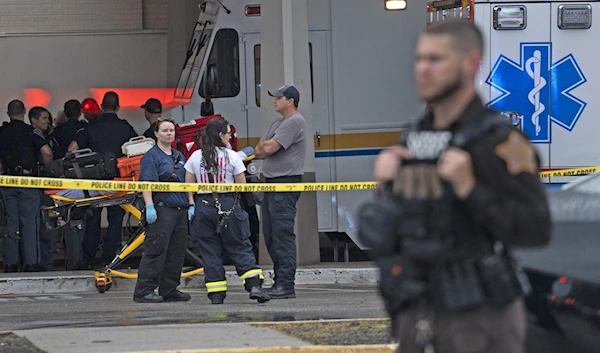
182	19
285	60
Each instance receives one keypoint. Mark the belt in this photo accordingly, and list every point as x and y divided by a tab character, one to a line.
286	177
210	196
18	171
162	204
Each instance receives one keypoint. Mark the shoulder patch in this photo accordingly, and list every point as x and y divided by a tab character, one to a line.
518	154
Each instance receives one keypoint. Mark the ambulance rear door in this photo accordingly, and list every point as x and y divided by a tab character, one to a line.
539	65
515	73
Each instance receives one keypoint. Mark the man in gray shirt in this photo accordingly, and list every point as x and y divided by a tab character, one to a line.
283	150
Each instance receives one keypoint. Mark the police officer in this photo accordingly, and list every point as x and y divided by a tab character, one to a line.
219	222
152	109
65	133
167	215
40	118
19	153
107	134
464	189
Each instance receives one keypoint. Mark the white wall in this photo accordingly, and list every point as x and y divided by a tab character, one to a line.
66	47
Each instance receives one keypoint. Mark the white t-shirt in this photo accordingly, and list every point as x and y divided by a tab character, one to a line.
228	162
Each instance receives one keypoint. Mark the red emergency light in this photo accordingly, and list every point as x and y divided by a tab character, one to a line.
252	10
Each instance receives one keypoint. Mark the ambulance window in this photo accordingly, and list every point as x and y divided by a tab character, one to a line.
257	84
224	57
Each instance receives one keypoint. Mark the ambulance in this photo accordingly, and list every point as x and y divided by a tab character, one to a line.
362	87
539	63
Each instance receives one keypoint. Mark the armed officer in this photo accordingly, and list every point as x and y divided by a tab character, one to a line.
456	194
19	149
105	135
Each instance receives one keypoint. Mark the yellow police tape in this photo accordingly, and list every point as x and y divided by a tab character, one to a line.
570	172
115	185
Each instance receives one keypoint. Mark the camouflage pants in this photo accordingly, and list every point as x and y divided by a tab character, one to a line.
486	329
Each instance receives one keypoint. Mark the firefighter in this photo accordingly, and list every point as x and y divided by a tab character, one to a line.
219	221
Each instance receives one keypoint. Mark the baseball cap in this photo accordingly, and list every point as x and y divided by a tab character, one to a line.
89	105
286	91
153	106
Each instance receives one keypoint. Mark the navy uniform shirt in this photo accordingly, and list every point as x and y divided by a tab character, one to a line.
107	134
19	146
156	165
65	134
150	132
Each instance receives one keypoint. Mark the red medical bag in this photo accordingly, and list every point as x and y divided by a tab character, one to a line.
188	136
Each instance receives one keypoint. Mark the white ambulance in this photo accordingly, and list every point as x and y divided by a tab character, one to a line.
362	86
539	62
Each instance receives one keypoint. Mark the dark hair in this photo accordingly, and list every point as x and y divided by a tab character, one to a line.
163	120
211	140
35	112
110	101
72	109
16	108
465	34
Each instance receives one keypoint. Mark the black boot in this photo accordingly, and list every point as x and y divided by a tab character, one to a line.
217	297
254	286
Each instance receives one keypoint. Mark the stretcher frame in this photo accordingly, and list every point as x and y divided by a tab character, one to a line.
124	199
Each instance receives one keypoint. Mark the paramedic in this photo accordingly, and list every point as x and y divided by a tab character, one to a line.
19	155
152	109
105	135
167	215
471	296
283	149
213	230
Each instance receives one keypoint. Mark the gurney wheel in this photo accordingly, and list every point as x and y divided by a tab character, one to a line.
103	282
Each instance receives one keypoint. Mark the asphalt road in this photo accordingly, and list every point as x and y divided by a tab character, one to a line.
315	302
116	308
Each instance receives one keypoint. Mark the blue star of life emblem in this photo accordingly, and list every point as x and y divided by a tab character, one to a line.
538	89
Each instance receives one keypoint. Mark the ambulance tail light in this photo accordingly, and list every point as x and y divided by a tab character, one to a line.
252	10
510	17
574	16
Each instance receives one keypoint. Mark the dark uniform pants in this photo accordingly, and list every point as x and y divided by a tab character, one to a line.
483	330
278	217
164	252
235	239
23	207
46	259
112	240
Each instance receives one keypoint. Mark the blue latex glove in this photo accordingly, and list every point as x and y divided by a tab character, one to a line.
248	151
191	211
151	214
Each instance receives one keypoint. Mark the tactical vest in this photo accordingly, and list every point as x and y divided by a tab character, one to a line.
424	242
17	150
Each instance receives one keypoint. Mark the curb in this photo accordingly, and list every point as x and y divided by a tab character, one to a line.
78	283
375	348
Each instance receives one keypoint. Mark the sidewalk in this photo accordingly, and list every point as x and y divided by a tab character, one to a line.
201	338
58	282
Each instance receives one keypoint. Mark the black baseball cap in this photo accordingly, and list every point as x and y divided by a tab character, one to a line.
153	106
286	91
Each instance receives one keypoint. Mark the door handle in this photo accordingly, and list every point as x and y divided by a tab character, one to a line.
318	132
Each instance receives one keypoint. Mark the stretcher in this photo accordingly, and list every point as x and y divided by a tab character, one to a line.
68	206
